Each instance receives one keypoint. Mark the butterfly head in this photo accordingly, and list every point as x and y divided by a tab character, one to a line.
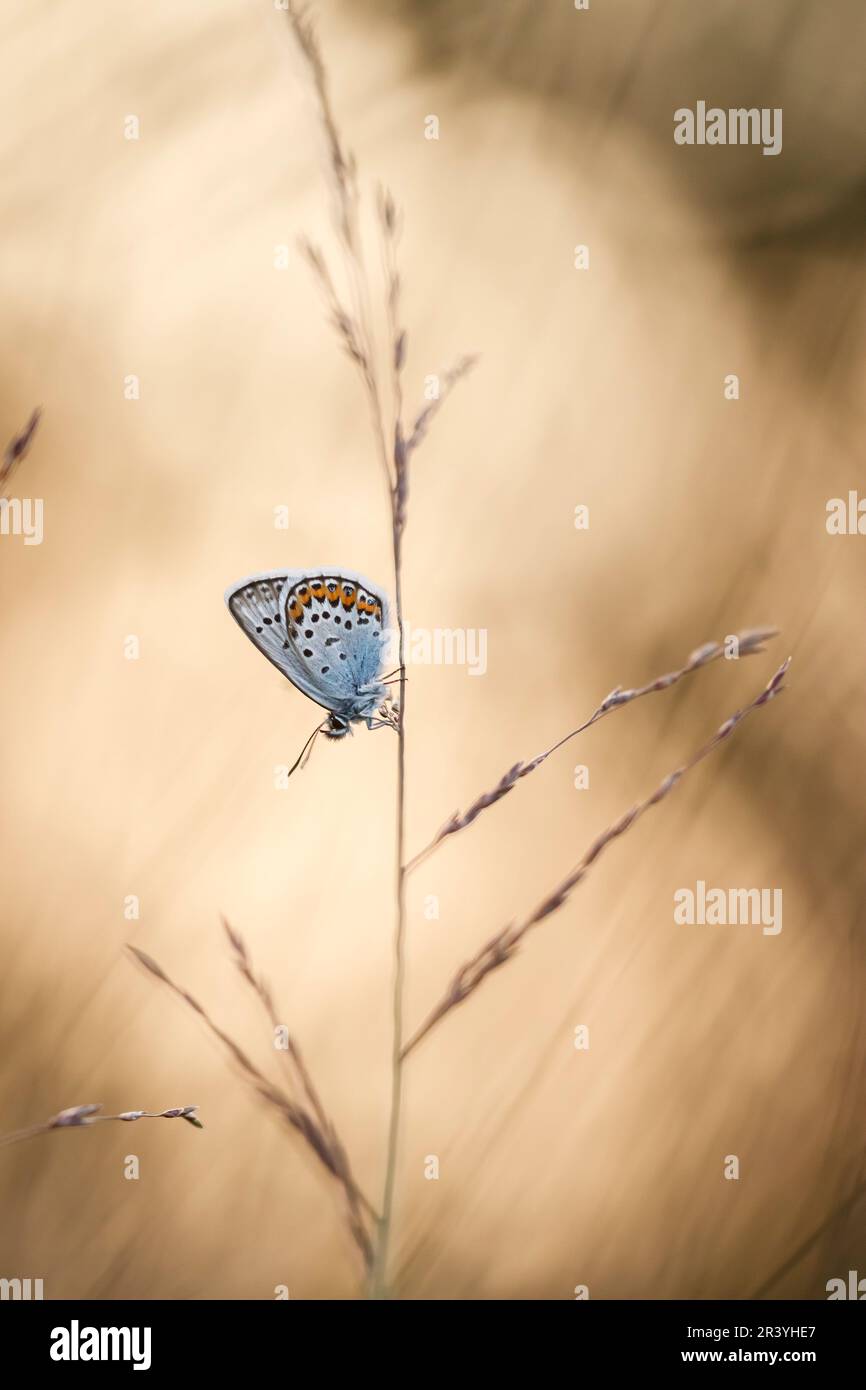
375	711
335	726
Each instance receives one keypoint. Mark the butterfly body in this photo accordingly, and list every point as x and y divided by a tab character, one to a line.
325	631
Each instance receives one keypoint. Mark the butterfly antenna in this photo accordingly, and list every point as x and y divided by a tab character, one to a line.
307	749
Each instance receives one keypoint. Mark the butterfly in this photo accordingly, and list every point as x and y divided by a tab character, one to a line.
325	630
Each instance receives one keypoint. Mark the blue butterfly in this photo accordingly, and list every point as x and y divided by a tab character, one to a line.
325	630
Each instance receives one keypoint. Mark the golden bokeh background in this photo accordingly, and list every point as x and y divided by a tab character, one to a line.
155	777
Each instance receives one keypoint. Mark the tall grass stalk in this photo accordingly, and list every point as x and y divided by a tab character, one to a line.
350	311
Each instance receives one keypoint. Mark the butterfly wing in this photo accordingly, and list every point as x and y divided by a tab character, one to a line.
323	630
